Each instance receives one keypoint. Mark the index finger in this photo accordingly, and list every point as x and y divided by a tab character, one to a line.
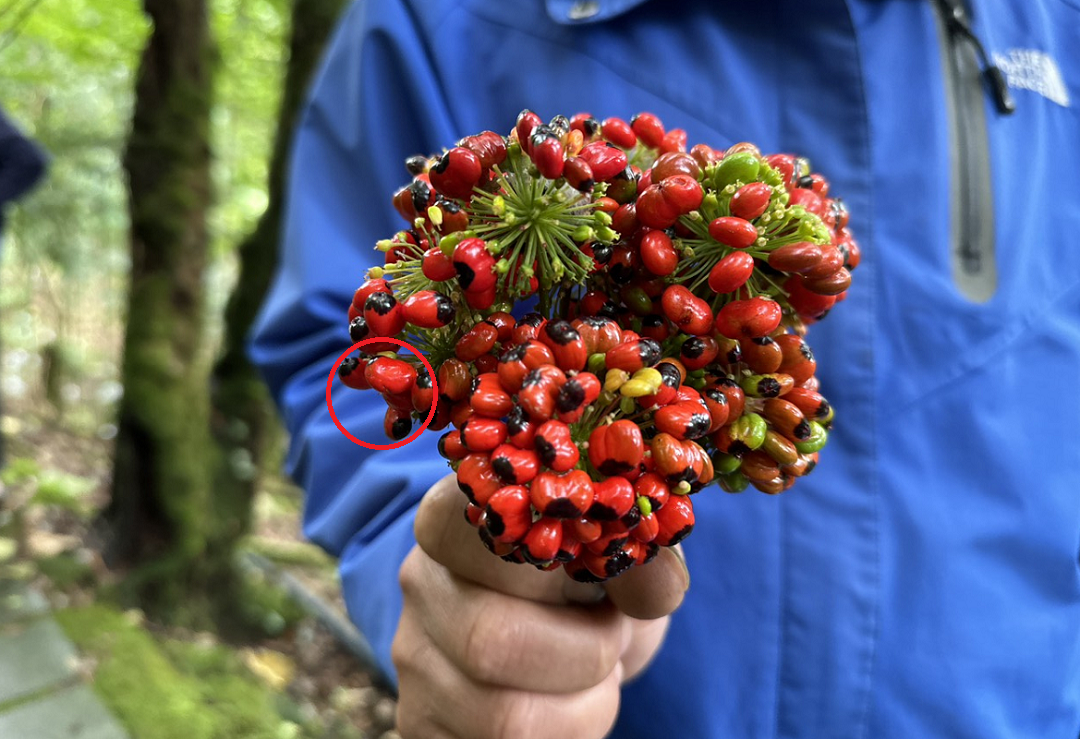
445	536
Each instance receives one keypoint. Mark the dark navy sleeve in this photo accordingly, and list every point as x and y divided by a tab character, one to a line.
22	162
374	102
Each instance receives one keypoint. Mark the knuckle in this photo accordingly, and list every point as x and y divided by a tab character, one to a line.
490	647
411	573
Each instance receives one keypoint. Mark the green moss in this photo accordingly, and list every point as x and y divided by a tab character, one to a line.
65	570
62	490
171	689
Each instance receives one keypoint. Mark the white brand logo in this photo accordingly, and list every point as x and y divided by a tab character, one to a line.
1030	69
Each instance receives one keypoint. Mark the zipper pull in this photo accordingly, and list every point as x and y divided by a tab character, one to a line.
956	19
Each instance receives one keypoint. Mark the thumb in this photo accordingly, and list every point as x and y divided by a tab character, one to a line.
653	590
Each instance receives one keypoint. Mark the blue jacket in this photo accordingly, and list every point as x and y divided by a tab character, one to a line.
924	580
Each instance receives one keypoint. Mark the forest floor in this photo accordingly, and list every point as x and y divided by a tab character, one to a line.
293	681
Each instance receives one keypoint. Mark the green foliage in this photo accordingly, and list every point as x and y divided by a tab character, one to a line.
162	688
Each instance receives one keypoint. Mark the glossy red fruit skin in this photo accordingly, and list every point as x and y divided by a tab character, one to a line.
674	140
507	515
633	355
797	359
477	479
807	303
548	156
527	122
519	360
673	163
454	379
475	265
652	487
682	192
555	446
488	398
649	129
798	257
748	319
352	373
514	466
579	174
738	233
654	210
762	355
566	345
698	352
616	448
812	403
831	260
716	404
436	266
390	376
618	132
750	200
450	446
428	309
397	424
606	161
687	311
543	542
374	285
614	497
575	396
599	333
683	420
562	496
658	253
488	146
520	429
731	272
456	173
481	434
676	521
384	314
477	341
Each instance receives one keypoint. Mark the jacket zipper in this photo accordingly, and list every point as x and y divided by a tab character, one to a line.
966	65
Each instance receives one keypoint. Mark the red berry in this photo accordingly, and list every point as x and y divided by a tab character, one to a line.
751	200
676	521
475	477
673	163
548	156
481	434
746	319
436	266
390	376
508	515
658	253
619	132
556	447
429	309
617	448
605	160
456	173
475	265
648	128
562	496
513	465
738	233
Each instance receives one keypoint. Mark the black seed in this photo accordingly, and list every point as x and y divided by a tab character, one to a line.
400	428
559	124
802	430
530	319
693	347
698	426
601	512
381	303
591	126
544	449
649	351
465	274
805	182
449	206
423	379
651	550
652	320
358	329
602	253
823	410
347	367
562	508
618	563
584	575
571	396
421	195
670	374
532	378
561	332
681	533
806	351
494	522
444	308
612	467
442	164
504	469
631	518
768	387
416	164
609	310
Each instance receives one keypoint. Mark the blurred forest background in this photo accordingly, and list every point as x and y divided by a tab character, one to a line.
141	490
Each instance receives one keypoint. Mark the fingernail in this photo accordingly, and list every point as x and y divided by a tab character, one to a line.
678	552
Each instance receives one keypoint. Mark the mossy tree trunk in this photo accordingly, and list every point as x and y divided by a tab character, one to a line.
160	513
242	417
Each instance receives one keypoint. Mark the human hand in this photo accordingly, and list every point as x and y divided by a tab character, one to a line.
486	649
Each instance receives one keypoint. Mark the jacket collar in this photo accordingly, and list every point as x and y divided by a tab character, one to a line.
578	12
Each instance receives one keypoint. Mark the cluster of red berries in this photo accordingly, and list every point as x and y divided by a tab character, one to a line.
666	350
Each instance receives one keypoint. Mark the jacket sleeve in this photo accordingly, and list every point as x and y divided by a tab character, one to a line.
22	162
374	102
